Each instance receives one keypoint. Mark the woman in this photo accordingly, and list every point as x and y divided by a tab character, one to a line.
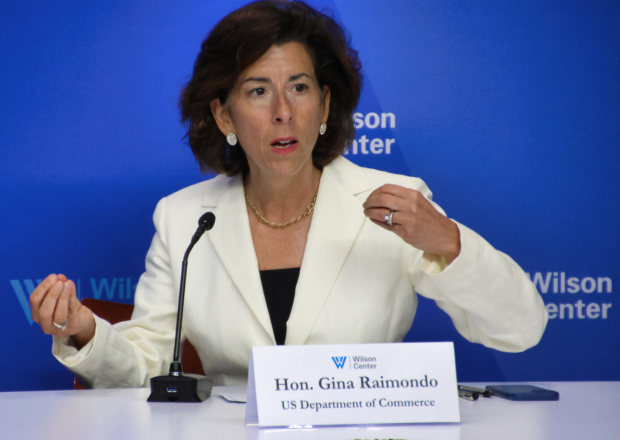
308	248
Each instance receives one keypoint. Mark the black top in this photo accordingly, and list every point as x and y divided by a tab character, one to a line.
279	288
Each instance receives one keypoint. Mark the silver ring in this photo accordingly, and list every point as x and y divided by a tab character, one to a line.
388	217
62	327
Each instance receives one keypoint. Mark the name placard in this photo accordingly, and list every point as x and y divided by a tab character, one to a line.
362	384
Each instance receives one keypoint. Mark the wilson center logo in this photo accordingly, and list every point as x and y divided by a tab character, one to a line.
339	361
382	144
569	297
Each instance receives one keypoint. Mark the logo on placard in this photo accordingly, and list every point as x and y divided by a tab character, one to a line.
339	361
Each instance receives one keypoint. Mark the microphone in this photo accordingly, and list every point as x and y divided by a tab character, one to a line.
205	223
177	387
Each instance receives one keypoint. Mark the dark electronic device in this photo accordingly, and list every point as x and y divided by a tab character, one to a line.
468	395
480	391
523	392
177	387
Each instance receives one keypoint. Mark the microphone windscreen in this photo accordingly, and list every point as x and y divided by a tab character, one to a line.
206	221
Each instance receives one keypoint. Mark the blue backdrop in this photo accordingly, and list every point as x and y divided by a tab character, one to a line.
509	110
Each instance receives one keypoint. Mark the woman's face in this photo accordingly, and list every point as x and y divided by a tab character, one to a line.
276	109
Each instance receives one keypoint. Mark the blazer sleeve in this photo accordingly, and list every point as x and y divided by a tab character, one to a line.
127	354
487	295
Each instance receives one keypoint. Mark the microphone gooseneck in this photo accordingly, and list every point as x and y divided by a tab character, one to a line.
176	386
205	223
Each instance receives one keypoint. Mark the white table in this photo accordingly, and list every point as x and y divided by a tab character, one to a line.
586	410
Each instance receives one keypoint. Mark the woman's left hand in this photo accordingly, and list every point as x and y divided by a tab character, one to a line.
415	220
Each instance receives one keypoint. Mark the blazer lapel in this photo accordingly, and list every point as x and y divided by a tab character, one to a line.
336	222
234	246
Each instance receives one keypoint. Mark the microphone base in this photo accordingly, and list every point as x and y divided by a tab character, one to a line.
185	388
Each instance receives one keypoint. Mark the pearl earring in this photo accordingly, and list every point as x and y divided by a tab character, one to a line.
232	139
323	128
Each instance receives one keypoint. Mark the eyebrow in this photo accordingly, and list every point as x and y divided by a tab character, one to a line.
268	80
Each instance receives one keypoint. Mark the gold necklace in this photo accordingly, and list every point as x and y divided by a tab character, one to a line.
264	221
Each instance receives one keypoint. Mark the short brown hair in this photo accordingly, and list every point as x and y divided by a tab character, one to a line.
239	40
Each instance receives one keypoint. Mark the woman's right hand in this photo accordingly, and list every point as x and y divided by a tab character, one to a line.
55	301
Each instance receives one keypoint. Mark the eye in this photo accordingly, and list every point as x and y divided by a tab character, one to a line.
258	91
300	88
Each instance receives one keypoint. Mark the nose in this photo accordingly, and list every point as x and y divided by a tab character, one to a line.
283	112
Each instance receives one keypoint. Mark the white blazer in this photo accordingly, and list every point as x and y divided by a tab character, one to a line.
357	285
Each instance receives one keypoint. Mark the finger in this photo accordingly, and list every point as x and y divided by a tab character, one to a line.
397	220
61	313
400	192
39	293
381	215
46	311
378	214
388	201
396	190
62	277
74	303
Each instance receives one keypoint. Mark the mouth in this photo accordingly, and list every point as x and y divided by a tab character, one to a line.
284	145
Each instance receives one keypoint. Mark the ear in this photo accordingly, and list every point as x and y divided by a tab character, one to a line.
325	105
222	117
